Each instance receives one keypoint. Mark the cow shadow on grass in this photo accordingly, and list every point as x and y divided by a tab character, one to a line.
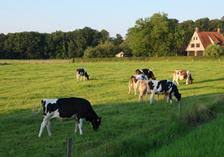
193	88
210	80
130	128
5	64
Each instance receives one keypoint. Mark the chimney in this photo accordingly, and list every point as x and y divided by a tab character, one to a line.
219	30
196	29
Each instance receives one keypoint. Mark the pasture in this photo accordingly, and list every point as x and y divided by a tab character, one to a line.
129	128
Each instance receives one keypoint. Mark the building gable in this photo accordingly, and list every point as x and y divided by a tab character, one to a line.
200	41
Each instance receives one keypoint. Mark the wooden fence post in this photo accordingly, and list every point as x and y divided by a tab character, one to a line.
69	147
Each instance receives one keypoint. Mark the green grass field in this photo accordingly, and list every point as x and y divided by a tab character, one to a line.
129	128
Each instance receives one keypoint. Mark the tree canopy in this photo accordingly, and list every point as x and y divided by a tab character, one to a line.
157	35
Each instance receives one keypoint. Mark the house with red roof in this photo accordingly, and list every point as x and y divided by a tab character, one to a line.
200	40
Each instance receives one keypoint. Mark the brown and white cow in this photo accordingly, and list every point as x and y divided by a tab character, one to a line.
134	82
140	74
182	75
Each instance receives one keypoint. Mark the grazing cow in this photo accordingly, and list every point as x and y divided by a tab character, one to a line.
164	86
146	72
81	74
159	87
181	75
134	82
76	108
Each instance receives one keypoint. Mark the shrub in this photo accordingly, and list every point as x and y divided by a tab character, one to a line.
106	49
214	50
197	114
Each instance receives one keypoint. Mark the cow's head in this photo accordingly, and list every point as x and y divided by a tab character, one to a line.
96	123
133	79
189	78
138	71
49	105
178	96
43	103
86	75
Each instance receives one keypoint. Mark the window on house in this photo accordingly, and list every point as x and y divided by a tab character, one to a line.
197	45
192	45
196	38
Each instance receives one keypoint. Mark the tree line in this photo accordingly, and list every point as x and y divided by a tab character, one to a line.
157	35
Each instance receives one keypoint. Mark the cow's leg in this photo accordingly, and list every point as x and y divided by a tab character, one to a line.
136	85
140	97
76	126
170	98
167	98
177	82
43	124
152	97
135	88
187	81
80	126
49	128
77	76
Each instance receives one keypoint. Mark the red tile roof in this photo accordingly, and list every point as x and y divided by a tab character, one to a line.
214	36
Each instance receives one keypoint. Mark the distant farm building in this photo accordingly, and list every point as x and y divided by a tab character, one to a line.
120	54
200	40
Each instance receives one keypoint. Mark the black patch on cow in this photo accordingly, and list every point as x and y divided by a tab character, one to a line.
190	79
176	92
146	72
51	107
165	85
43	105
151	85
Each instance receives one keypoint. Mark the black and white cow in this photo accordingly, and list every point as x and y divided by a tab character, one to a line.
163	87
147	72
77	108
81	74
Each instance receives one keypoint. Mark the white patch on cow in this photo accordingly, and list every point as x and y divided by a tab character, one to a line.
50	101
55	114
80	125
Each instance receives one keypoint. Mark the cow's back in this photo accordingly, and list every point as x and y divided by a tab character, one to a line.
70	106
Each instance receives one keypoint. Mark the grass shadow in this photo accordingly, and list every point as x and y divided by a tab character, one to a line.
128	129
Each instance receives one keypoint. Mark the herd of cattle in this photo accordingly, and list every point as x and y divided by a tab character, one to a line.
143	81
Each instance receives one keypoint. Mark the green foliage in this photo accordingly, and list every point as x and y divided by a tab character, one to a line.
103	50
214	50
157	35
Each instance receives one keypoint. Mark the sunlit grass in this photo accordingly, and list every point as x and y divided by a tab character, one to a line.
128	128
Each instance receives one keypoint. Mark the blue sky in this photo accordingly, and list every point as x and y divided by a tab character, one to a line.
116	16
